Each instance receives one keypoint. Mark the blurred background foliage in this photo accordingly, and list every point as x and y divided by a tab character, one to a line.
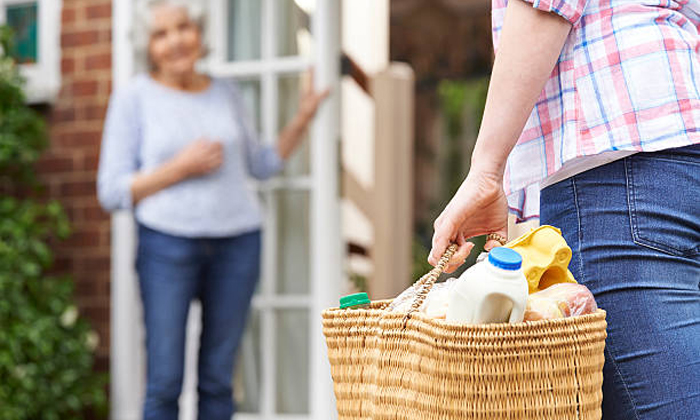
46	348
461	106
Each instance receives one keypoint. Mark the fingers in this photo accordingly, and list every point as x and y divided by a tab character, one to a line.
465	248
206	155
440	244
324	94
216	147
444	232
215	155
307	82
200	157
215	160
449	230
318	98
211	150
308	86
493	243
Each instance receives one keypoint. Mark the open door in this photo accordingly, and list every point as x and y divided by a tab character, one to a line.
282	371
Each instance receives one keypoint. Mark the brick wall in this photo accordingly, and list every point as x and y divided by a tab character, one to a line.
69	167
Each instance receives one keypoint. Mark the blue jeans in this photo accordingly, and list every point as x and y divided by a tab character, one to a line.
222	274
634	228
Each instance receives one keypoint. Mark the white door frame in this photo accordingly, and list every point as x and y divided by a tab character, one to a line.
326	243
127	359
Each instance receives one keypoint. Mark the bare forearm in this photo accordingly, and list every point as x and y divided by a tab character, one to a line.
145	184
292	134
530	45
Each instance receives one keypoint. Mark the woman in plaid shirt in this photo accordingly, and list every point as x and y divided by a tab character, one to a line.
591	124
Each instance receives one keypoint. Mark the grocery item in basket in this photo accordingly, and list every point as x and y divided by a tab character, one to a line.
560	301
546	257
355	301
435	304
491	291
402	302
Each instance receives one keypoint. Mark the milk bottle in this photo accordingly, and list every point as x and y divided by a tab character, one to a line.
494	290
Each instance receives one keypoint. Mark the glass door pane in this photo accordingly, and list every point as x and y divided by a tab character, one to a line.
244	35
250	90
272	376
293	19
292	361
293	243
247	372
288	105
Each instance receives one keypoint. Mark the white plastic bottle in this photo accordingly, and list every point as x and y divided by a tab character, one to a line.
491	291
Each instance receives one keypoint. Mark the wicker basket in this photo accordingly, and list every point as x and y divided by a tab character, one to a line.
390	365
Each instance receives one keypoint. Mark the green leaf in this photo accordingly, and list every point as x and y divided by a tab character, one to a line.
46	370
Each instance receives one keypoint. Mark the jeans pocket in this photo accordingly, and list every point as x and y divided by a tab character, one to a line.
662	195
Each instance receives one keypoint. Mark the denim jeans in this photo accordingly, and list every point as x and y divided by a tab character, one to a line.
634	228
222	274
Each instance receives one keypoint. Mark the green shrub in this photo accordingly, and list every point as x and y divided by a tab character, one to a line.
46	349
461	105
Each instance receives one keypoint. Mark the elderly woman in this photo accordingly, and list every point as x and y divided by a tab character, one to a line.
177	149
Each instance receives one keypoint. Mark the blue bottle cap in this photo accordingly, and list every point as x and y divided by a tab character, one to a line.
505	258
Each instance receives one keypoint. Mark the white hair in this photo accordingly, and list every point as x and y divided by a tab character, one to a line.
141	31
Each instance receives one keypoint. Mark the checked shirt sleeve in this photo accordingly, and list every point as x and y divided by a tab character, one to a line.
571	10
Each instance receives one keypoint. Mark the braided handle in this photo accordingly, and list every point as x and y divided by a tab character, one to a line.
429	279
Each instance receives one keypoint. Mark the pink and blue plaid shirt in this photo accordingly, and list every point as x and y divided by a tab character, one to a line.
626	80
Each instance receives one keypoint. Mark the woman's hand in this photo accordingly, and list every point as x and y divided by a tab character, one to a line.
199	158
310	99
520	71
479	207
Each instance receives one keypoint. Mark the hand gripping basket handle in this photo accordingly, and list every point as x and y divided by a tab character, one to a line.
427	281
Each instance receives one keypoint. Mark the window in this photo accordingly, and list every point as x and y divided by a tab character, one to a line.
36	25
22	18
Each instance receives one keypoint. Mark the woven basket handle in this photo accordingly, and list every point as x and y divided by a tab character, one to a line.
428	280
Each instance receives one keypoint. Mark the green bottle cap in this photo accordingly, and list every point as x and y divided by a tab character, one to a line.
354	300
